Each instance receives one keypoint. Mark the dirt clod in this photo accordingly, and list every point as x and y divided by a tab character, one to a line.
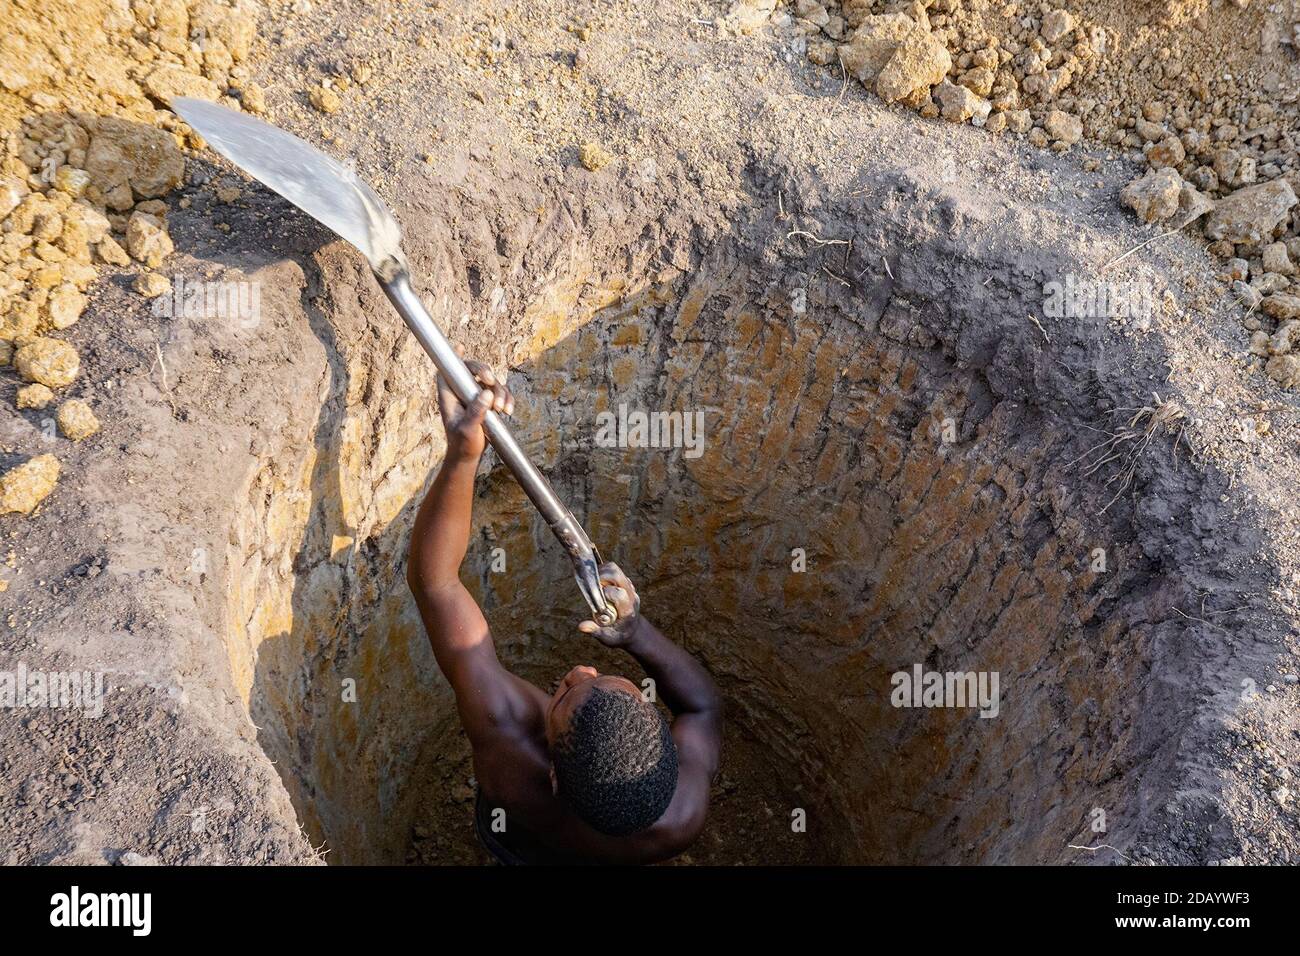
48	361
76	420
25	486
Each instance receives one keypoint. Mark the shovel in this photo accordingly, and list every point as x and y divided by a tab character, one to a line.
333	194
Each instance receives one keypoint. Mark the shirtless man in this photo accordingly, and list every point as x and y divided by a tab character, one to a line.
592	773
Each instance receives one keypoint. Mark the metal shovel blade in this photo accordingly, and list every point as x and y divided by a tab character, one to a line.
320	186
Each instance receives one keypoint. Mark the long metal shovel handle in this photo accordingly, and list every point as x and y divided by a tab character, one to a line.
396	282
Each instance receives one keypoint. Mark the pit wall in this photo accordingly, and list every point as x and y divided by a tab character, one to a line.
825	434
825	430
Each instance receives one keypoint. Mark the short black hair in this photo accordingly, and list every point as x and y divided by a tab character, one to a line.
616	764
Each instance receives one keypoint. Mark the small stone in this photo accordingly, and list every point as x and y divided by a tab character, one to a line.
253	98
70	180
1277	259
873	43
228	194
1192	205
76	420
51	362
325	100
25	486
151	284
1284	369
1063	127
1056	25
1168	152
111	251
12	193
1281	306
1247	294
957	104
594	157
65	306
1154	197
1019	121
147	240
168	82
125	158
35	395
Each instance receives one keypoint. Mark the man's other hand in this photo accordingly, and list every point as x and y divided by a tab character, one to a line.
620	593
466	439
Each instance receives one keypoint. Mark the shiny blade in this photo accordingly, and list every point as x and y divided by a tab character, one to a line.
320	186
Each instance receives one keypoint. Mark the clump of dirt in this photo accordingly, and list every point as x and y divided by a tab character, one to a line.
90	149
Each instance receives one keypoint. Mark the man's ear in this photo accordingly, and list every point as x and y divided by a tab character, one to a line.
555	783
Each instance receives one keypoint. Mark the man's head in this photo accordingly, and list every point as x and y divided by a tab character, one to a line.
612	756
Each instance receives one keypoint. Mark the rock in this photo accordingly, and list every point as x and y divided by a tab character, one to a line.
325	100
1281	306
1250	214
1192	205
76	420
151	284
65	306
822	52
167	82
95	222
957	104
1284	369
70	180
594	157
1267	282
147	240
919	62
1247	295
233	24
25	486
1155	196
12	192
1063	127
1277	259
1019	121
873	43
51	362
253	98
112	252
129	155
978	80
747	16
1168	152
1149	132
35	395
1057	25
1284	339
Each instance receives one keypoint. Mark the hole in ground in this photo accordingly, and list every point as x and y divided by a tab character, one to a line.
941	522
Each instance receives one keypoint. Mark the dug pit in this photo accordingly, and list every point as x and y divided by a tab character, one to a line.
890	474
